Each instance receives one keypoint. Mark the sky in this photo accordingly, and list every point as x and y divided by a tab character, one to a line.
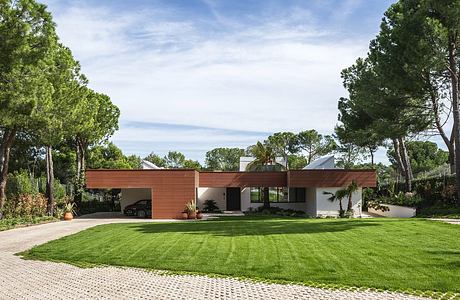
193	75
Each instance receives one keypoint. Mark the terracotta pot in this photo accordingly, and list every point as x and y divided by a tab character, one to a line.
192	215
68	216
184	215
199	215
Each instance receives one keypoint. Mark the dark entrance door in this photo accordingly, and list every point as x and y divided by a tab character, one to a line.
233	198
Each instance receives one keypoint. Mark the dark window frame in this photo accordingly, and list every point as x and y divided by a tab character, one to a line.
279	192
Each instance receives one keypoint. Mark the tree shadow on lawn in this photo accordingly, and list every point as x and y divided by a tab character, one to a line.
252	227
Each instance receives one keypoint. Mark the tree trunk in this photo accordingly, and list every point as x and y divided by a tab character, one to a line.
448	142
372	157
406	162
81	166
77	175
266	193
398	156
452	161
350	203
50	180
5	150
452	47
341	211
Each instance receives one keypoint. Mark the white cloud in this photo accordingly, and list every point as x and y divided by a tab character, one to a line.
280	74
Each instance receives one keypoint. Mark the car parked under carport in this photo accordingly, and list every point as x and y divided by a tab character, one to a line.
141	209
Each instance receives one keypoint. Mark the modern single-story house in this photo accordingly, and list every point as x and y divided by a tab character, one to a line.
170	189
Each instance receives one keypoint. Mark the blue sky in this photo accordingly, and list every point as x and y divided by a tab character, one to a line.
195	75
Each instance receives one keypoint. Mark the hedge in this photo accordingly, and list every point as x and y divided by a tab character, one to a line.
434	191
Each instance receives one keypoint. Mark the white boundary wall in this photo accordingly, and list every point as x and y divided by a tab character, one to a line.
395	211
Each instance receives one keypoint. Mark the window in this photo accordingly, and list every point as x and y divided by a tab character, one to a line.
276	194
256	195
297	195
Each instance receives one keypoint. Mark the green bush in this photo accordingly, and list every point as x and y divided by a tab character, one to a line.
402	199
439	212
92	206
25	206
210	206
433	192
275	211
20	183
10	223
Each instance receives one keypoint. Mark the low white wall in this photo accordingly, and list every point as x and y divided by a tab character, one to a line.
395	211
324	207
216	194
130	196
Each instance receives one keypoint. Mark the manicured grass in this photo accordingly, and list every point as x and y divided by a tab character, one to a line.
11	223
381	253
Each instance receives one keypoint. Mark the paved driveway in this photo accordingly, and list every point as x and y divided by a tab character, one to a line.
25	279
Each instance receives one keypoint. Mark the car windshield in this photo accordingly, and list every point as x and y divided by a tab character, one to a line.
143	202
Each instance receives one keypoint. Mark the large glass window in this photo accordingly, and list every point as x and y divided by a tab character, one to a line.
276	194
297	195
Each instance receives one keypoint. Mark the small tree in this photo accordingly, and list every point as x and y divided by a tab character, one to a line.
341	194
337	196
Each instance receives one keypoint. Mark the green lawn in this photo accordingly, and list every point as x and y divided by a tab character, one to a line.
381	253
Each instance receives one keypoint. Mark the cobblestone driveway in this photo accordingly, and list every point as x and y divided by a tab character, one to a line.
25	279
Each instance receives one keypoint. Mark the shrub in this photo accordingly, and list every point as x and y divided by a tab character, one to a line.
402	199
210	206
433	192
20	183
275	211
93	206
10	223
190	207
439	212
25	206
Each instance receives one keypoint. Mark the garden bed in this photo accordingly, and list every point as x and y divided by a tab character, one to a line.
10	223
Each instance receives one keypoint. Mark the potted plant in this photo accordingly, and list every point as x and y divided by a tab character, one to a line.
69	211
199	215
190	208
184	215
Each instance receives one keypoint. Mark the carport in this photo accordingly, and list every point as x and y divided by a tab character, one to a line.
169	190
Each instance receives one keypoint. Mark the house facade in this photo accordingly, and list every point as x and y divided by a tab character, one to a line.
170	189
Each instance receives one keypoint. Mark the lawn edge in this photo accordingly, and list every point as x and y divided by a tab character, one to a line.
330	286
54	220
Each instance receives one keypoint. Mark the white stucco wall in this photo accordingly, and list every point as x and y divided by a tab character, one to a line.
129	196
216	194
324	207
246	200
310	195
316	203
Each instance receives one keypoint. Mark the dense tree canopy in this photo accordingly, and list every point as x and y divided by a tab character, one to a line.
44	102
27	37
224	159
424	156
110	156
